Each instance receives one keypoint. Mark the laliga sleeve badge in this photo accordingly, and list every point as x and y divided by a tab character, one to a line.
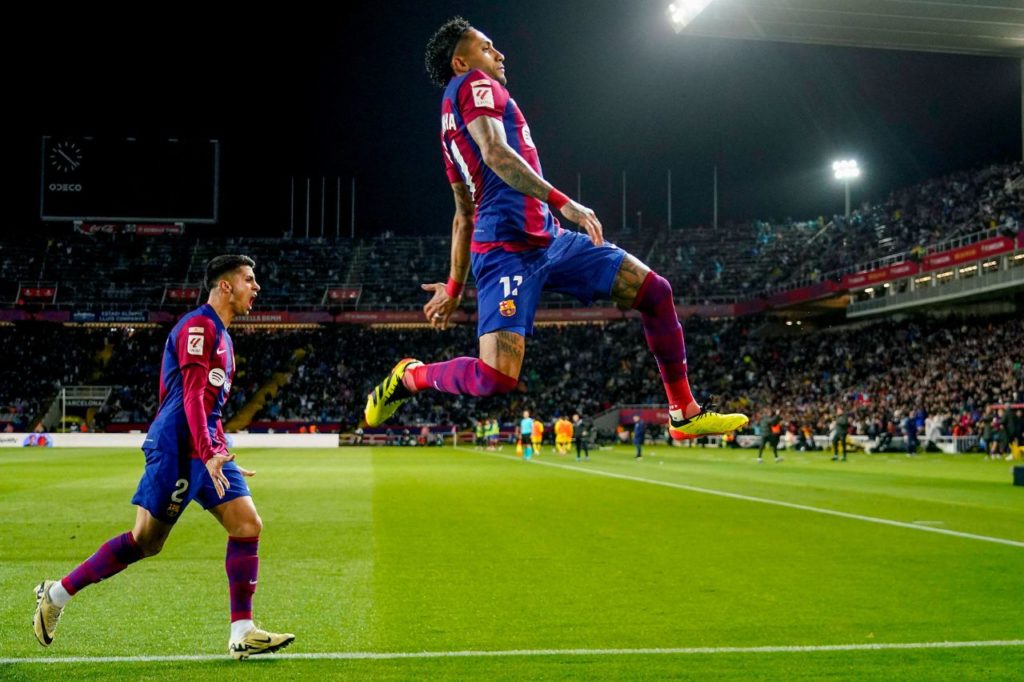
507	308
483	95
195	344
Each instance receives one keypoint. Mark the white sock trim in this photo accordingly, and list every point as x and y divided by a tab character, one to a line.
58	595
240	628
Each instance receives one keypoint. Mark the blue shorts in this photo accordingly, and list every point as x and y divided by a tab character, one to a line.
171	481
509	283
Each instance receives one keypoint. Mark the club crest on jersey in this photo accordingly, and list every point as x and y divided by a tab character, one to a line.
507	308
195	344
217	376
483	95
173	510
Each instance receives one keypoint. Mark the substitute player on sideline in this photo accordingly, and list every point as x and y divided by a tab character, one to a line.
503	227
187	458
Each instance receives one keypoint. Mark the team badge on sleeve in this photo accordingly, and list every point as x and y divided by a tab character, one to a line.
483	95
507	308
195	344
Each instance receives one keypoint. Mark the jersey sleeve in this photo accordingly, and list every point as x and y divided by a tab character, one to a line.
481	95
193	380
195	344
220	447
449	166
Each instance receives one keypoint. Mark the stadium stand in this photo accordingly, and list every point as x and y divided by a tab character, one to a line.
882	372
320	373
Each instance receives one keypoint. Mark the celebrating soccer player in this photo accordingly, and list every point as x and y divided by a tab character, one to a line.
504	228
187	458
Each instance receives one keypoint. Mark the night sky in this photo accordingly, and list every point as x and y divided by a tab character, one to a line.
605	87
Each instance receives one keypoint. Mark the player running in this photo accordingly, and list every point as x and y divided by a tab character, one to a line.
187	458
505	230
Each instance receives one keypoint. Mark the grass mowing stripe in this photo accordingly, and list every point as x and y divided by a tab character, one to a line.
762	500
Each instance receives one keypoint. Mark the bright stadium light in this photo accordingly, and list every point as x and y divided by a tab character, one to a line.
682	12
846	170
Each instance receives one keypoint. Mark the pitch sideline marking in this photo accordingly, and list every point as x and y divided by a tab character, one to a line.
762	500
391	655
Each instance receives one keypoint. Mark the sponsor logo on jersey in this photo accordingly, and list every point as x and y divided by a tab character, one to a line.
195	330
507	308
483	94
195	344
217	377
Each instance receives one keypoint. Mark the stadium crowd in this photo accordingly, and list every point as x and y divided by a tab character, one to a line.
133	369
129	269
40	359
935	375
941	373
766	254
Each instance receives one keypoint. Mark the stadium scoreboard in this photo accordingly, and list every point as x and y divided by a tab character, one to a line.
129	179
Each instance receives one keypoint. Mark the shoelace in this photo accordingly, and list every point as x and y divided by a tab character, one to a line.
705	409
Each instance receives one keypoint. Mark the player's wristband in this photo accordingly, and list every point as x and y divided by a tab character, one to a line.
454	288
557	199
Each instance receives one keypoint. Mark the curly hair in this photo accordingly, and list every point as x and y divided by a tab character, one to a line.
440	49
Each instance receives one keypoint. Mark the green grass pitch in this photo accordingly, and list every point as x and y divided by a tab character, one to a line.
406	550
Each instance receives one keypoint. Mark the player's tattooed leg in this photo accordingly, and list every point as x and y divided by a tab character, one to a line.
630	277
504	351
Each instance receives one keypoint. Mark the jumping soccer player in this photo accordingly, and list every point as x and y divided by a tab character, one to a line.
505	230
187	458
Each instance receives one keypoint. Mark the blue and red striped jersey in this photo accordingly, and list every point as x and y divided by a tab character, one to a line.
505	218
195	379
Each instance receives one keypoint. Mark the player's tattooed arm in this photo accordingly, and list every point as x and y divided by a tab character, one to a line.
462	231
439	309
630	277
489	135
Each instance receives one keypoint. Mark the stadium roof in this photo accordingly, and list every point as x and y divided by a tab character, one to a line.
977	27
